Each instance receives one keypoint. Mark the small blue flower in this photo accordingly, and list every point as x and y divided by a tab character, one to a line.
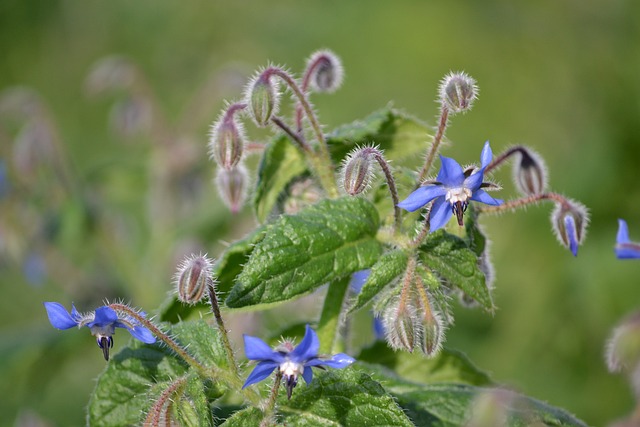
289	360
101	322
625	248
452	191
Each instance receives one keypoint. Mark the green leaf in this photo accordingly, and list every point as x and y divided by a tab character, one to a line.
341	397
452	405
121	395
248	417
123	391
193	407
390	265
450	257
281	162
228	266
448	366
402	137
301	252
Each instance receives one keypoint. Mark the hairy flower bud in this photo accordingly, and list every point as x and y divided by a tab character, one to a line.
226	141
623	347
530	173
458	90
263	98
192	278
357	171
402	326
325	71
232	186
432	333
569	220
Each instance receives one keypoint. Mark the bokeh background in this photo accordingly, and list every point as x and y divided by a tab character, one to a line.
104	188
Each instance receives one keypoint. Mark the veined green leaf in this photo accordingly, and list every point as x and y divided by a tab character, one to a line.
301	252
450	257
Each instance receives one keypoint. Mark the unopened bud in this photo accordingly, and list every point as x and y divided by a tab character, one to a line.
301	194
623	347
192	278
432	333
325	71
112	72
263	98
458	90
530	173
357	171
226	142
401	326
232	186
131	116
569	220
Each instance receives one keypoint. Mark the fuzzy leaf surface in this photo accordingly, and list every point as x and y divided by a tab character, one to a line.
450	257
301	252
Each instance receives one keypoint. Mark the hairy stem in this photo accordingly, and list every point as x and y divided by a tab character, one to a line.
270	407
442	126
524	201
297	138
215	309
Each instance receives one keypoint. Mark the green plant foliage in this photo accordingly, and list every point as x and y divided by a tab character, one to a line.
329	240
450	257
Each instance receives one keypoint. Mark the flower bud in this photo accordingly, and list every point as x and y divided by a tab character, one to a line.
301	194
401	326
530	173
569	220
458	90
226	142
130	116
489	408
232	186
110	73
325	71
623	347
432	333
357	171
263	98
192	278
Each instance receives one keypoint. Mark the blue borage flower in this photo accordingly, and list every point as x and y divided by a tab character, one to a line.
101	322
289	360
625	248
452	190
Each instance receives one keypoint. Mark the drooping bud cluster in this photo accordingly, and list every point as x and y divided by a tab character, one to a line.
263	97
324	71
530	172
357	171
193	277
457	92
569	220
227	138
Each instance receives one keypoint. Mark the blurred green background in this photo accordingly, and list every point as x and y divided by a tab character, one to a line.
101	192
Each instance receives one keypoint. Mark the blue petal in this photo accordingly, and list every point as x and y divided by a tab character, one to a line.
484	197
358	279
59	317
308	347
142	334
337	361
421	197
440	214
572	237
260	372
307	374
451	173
628	251
378	328
104	316
623	232
474	181
256	349
486	155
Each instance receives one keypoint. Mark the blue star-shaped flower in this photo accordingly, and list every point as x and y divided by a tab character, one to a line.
290	361
625	248
101	322
452	191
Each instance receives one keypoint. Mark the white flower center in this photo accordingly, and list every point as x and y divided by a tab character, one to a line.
291	369
459	194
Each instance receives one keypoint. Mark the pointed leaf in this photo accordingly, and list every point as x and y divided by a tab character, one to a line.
447	366
390	265
301	252
450	257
